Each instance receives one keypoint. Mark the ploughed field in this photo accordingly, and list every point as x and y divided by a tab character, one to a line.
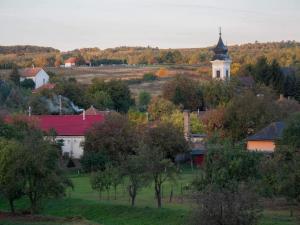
124	72
83	206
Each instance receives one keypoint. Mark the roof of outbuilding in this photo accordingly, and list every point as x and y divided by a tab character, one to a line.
271	132
68	125
48	86
71	60
92	111
30	72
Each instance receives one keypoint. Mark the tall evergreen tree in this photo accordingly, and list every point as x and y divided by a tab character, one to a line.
290	85
297	89
262	71
276	77
14	76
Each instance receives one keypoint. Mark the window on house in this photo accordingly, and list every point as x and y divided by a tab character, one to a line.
218	73
44	81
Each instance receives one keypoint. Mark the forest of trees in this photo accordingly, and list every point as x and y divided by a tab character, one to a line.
287	54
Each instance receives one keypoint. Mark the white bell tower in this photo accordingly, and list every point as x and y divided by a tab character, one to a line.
221	61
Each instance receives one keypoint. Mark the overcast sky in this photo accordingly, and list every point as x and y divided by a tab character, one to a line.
69	24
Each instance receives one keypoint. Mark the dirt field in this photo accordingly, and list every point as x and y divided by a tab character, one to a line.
124	72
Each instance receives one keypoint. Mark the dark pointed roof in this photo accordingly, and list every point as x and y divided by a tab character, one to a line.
271	132
221	51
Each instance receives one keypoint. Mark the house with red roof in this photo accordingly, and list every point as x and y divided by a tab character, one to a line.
38	75
70	62
70	129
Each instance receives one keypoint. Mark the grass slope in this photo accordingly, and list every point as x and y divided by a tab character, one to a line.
83	203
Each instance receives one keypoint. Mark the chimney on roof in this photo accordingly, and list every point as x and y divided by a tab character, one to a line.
186	124
29	111
281	97
83	115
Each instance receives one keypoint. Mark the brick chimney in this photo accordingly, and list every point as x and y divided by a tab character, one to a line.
186	124
83	115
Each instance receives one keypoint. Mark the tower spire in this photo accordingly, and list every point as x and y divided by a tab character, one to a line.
220	31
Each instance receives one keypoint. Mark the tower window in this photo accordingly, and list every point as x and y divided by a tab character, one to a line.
227	73
218	73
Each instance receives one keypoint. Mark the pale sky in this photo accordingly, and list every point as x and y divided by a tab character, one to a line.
70	24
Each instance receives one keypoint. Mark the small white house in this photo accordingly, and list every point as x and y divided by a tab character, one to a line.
38	75
221	61
70	62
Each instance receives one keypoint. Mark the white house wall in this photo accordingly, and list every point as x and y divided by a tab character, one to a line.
69	64
41	78
72	145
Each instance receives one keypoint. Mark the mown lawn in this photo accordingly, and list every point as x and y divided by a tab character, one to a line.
84	203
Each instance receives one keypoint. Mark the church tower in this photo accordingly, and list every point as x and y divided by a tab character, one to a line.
221	61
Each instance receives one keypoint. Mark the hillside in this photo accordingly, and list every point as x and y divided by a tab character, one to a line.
287	54
22	49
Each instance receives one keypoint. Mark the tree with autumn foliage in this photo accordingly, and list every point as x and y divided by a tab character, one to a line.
159	107
184	92
114	139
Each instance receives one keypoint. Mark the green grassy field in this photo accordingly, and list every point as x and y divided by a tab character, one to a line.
84	205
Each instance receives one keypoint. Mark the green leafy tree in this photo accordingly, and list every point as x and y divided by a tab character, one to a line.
102	100
42	175
197	125
216	93
222	206
93	161
227	165
115	138
27	84
118	91
36	162
11	178
134	169
184	92
175	118
158	168
99	182
144	100
165	137
225	186
287	161
247	113
159	107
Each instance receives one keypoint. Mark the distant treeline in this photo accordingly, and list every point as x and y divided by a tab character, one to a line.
21	49
286	53
99	62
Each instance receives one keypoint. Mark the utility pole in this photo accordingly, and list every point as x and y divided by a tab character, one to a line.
60	105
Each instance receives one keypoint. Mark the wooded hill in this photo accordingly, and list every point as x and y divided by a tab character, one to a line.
286	53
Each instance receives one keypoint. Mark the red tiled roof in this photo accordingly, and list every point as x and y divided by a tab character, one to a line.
47	86
71	60
30	72
68	125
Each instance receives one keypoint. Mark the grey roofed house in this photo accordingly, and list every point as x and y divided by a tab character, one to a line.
271	132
